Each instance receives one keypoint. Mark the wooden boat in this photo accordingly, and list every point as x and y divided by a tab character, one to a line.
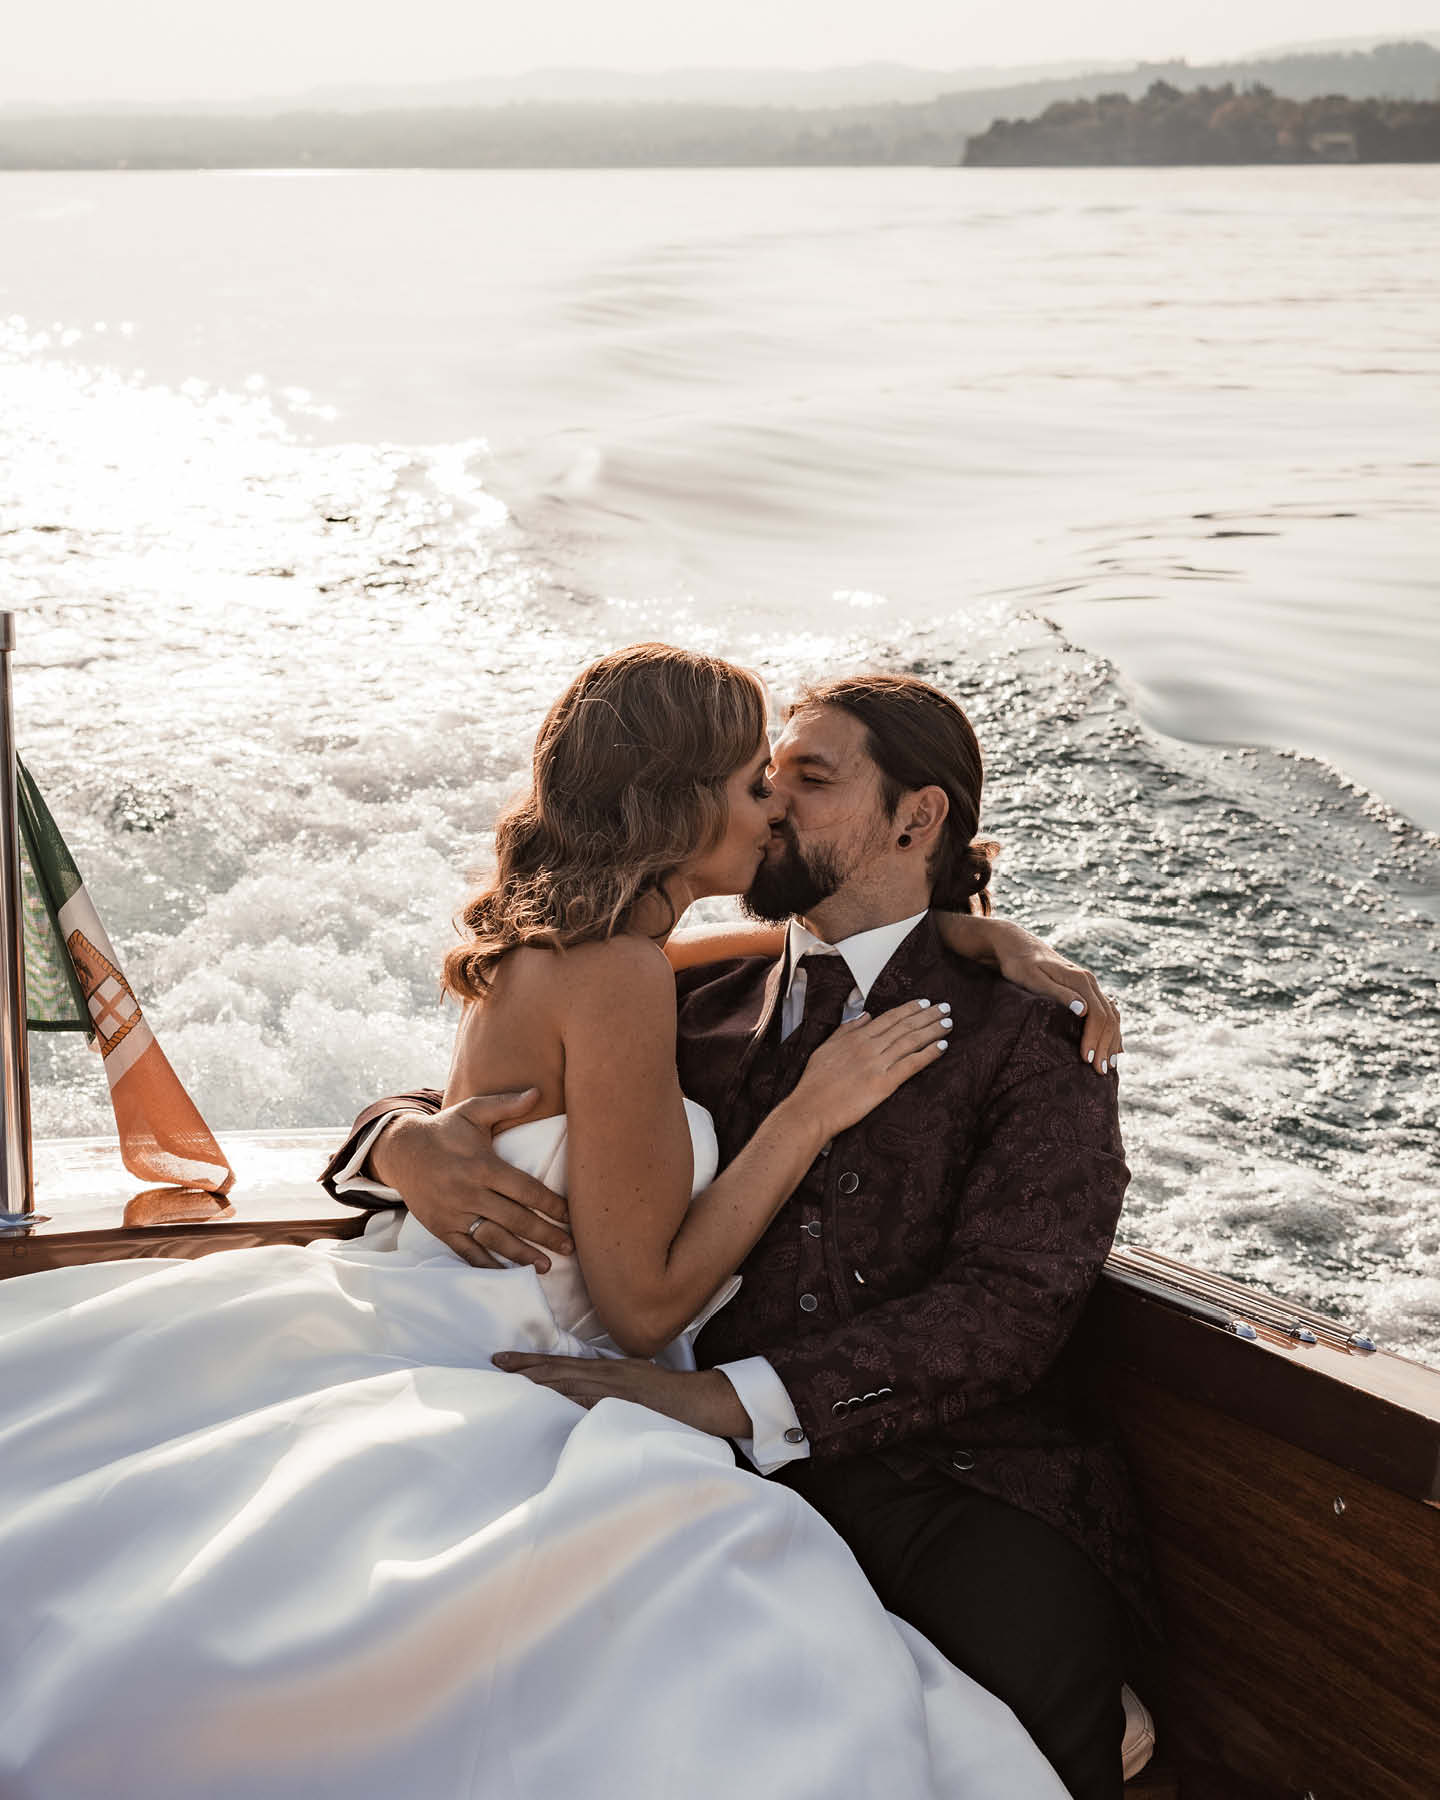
1288	1471
1289	1474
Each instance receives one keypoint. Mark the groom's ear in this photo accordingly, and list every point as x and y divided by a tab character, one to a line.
921	815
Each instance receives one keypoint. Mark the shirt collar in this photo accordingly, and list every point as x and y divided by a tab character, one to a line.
866	953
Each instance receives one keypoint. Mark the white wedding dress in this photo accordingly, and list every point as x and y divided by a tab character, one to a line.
272	1527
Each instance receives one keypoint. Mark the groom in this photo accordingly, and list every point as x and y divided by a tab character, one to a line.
896	1352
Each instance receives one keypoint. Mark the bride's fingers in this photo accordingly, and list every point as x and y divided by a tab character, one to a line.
910	1017
916	1024
1101	1040
1072	986
913	1061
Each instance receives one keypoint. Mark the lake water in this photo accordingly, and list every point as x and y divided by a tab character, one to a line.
318	487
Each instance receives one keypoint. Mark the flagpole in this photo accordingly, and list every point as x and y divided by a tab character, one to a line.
17	1187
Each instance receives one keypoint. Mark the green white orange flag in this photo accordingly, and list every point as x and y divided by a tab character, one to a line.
74	983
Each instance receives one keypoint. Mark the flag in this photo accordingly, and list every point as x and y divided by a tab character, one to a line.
73	982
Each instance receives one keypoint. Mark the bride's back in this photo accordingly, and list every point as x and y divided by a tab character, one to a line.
514	1037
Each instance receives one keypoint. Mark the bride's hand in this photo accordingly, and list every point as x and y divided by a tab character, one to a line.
862	1063
1031	963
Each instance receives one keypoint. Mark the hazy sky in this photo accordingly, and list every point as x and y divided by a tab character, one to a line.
227	49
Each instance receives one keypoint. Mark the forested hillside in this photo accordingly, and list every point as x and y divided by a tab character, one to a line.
1212	125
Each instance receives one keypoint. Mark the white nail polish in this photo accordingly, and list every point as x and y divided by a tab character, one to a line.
1089	1056
1077	1006
944	1044
922	1003
945	1006
1104	1068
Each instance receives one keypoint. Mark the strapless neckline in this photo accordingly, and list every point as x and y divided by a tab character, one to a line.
538	1147
529	1125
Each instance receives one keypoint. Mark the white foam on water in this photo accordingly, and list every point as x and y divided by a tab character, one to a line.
276	692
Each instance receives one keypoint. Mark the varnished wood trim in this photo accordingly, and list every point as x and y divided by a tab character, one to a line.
1377	1414
59	1250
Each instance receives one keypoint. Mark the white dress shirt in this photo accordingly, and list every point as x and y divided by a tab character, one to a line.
777	1436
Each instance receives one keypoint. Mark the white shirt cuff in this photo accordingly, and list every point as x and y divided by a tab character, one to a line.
777	1436
349	1180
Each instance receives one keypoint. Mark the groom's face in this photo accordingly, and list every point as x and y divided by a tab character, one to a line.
835	825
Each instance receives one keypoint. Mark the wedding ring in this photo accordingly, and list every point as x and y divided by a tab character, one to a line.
472	1228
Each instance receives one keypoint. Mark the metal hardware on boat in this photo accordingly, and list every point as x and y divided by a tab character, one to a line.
1216	1299
17	1186
1358	1340
1339	1506
1302	1334
1242	1330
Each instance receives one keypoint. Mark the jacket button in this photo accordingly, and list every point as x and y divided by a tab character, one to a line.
813	1227
794	1435
848	1182
962	1460
808	1303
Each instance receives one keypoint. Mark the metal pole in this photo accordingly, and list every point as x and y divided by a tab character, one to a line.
17	1185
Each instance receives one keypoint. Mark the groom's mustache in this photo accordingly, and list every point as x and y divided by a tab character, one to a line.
791	880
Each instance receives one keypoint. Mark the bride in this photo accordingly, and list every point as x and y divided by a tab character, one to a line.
272	1523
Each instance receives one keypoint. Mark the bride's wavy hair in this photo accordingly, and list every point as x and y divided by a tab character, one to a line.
629	778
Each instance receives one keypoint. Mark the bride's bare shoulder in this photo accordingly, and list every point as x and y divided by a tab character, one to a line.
624	976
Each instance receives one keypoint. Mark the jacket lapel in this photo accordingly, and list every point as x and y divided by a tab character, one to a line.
904	975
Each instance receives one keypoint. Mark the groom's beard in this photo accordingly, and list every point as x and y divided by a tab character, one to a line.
791	882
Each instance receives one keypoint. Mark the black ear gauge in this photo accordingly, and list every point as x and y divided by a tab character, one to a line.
904	840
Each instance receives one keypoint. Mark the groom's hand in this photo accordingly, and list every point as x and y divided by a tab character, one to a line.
444	1169
702	1398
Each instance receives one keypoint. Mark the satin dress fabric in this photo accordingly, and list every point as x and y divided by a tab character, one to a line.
273	1527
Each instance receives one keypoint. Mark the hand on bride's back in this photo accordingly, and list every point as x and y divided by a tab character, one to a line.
450	1178
862	1063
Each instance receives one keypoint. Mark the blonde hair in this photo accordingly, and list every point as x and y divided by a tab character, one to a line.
629	776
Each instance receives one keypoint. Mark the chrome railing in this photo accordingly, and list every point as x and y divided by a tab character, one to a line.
17	1187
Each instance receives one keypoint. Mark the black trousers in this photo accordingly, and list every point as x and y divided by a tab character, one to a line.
1004	1596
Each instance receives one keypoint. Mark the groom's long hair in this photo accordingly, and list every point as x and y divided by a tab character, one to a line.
919	737
630	771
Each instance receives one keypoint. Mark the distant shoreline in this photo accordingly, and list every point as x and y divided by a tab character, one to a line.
1110	117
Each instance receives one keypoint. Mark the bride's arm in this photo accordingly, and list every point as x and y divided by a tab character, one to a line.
1018	954
650	1257
1031	963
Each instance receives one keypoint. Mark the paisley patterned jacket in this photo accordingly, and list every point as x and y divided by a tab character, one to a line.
917	1292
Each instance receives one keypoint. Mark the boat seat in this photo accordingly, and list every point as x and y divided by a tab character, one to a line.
1139	1744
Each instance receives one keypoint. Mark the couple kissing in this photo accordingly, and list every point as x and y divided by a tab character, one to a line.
920	1165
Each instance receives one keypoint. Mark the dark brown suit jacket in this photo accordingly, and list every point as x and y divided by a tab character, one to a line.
917	1292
